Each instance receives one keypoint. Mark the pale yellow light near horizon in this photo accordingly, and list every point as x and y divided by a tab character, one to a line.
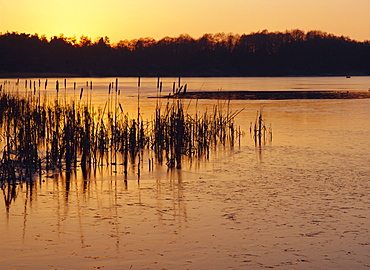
130	19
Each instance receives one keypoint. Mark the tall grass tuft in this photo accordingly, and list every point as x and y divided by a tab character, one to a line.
37	136
261	134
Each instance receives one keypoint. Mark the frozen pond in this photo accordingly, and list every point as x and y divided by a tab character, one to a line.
301	201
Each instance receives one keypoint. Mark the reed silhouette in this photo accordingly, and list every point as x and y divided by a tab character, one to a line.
261	134
41	135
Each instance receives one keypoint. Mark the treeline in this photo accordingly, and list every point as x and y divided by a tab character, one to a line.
261	53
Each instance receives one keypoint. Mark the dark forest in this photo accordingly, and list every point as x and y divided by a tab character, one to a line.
289	53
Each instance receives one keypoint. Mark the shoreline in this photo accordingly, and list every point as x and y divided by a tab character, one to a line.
22	75
28	75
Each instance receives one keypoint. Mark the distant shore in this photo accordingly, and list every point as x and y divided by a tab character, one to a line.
27	75
271	95
22	75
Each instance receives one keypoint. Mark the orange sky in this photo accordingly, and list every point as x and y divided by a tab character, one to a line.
129	19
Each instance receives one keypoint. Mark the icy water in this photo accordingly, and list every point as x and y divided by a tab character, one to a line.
301	201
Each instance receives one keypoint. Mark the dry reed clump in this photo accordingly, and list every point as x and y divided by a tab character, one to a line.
40	136
177	134
261	134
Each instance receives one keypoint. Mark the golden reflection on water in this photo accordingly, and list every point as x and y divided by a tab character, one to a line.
301	201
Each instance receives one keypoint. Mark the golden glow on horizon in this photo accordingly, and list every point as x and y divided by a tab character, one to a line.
129	19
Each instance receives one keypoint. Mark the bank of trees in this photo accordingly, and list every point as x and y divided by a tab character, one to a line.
256	54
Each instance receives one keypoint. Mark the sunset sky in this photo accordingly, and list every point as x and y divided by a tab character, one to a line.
130	19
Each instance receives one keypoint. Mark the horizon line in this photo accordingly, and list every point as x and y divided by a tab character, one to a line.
97	38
